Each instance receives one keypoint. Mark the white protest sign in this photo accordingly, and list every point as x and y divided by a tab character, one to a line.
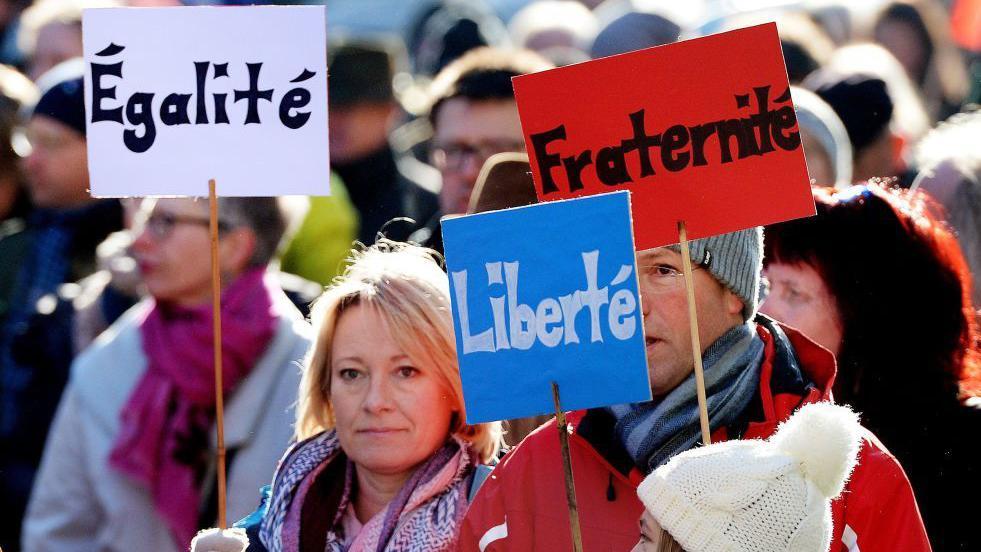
178	96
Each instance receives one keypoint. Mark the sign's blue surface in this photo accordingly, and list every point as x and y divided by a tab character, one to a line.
547	293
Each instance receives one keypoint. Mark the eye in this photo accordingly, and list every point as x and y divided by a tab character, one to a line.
662	270
348	374
407	371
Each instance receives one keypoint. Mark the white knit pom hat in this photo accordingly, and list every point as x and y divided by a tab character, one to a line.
772	495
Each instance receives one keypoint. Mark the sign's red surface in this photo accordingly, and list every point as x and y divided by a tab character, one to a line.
702	131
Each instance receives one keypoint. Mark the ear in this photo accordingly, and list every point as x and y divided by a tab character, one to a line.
235	249
734	305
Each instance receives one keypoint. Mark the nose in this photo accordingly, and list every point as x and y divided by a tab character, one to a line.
379	396
142	240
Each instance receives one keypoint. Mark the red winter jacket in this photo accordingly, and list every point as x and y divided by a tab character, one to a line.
522	505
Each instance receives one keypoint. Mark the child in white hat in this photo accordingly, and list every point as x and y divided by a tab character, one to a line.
753	495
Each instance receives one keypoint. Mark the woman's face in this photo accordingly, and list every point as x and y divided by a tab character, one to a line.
650	534
390	413
173	250
800	298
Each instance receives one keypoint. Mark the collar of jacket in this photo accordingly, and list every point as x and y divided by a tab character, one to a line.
795	371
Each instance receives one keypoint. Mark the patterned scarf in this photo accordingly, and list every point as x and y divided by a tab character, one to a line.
653	432
166	421
424	516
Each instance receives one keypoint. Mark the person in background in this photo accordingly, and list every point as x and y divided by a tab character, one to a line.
381	184
757	373
16	93
917	32
130	461
878	281
826	146
50	32
474	115
559	30
384	459
949	161
863	105
754	496
56	246
633	31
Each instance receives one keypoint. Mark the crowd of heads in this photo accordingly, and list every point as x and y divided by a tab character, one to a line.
423	123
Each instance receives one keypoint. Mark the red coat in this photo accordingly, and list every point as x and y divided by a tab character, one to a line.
524	497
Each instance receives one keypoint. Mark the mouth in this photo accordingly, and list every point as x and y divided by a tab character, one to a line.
379	431
650	342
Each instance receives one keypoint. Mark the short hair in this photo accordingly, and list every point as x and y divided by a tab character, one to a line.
871	245
271	219
405	284
483	74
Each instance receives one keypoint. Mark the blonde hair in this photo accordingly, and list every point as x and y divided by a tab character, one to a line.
407	287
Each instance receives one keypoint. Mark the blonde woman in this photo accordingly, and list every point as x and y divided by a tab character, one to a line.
384	459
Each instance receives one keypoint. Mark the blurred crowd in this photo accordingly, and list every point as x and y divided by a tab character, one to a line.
887	276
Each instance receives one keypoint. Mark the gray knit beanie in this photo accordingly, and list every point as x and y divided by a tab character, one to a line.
736	261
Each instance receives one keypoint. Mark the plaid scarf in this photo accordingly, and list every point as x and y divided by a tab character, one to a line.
653	432
424	516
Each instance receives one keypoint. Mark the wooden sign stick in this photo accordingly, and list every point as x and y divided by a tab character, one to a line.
216	317
570	488
696	347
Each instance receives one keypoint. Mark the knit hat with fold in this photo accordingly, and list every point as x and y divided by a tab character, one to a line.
772	495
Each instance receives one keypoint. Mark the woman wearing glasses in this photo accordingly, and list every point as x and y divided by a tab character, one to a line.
878	281
130	462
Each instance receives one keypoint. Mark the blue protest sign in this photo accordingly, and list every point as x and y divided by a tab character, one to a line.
546	293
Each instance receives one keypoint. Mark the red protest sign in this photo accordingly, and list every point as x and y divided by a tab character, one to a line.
701	131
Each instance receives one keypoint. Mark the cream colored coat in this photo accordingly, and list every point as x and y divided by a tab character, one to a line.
80	504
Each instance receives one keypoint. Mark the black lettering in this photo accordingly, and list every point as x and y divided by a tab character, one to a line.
699	134
139	111
611	166
253	94
201	76
785	119
294	100
574	165
642	142
763	118
546	161
100	93
727	130
673	139
221	116
173	110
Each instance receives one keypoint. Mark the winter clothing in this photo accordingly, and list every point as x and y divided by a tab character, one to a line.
175	398
80	503
65	103
384	186
424	516
753	495
735	260
653	432
36	337
318	249
526	493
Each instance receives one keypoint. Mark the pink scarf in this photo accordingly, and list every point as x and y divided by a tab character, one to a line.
174	402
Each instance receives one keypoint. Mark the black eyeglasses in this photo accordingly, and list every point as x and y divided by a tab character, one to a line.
161	224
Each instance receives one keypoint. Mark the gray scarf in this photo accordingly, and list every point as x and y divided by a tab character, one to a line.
653	432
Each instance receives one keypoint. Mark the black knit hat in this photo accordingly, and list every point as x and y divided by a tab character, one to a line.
861	101
359	72
64	102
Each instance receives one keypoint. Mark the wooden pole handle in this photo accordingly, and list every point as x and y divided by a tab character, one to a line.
570	488
696	347
216	318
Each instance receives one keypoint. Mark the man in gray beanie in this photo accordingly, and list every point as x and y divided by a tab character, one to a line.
757	373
